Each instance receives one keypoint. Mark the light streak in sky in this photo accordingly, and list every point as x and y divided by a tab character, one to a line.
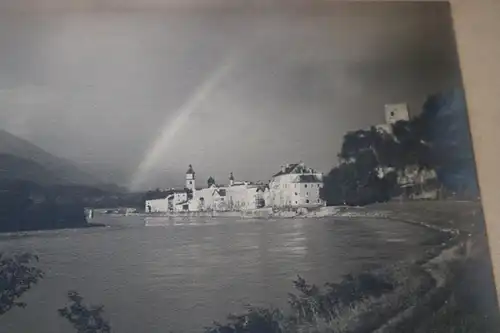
171	128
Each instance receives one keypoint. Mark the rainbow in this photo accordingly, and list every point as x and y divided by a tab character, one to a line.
170	128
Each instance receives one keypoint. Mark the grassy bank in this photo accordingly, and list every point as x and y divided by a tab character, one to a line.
472	304
359	303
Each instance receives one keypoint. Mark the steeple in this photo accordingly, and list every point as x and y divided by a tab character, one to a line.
231	179
190	178
190	170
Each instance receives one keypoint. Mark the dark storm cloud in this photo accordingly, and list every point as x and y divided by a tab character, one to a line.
99	87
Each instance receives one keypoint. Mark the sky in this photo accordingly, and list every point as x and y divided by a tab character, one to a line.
138	95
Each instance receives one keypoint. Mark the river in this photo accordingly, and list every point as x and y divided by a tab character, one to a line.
183	274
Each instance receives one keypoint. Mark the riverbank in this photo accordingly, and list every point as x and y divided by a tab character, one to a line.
393	299
438	215
426	295
463	297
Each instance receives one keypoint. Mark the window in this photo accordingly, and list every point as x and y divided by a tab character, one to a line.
305	185
392	113
190	182
296	193
296	202
307	193
307	201
295	185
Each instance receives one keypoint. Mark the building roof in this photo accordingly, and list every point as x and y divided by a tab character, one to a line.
190	170
182	202
259	187
221	192
288	169
167	193
174	190
308	179
163	197
294	168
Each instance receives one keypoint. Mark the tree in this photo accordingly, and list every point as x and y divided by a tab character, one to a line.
411	149
85	319
444	124
17	276
358	182
379	142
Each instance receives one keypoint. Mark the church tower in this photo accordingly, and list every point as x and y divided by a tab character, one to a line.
190	178
231	179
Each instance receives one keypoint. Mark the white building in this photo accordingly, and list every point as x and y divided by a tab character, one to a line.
156	205
171	202
296	186
236	196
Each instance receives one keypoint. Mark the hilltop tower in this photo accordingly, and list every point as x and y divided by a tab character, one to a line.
231	179
396	112
190	178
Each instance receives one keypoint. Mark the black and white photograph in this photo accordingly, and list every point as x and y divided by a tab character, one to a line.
239	167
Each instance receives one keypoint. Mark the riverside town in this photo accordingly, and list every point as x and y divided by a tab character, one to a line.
238	167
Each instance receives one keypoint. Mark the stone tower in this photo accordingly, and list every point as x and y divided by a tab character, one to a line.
231	179
190	178
396	112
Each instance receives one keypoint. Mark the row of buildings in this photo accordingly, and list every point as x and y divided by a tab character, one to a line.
294	186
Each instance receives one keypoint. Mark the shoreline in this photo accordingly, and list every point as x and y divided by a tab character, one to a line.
267	213
19	232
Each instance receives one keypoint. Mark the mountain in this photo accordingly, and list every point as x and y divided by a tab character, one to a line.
17	168
20	159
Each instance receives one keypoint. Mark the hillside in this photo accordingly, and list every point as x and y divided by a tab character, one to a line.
16	168
21	159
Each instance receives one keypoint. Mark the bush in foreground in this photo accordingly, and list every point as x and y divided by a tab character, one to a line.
358	303
17	276
83	318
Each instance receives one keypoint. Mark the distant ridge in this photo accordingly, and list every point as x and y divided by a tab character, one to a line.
17	168
21	159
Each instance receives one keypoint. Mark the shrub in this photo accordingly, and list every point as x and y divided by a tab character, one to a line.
85	319
17	276
255	320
